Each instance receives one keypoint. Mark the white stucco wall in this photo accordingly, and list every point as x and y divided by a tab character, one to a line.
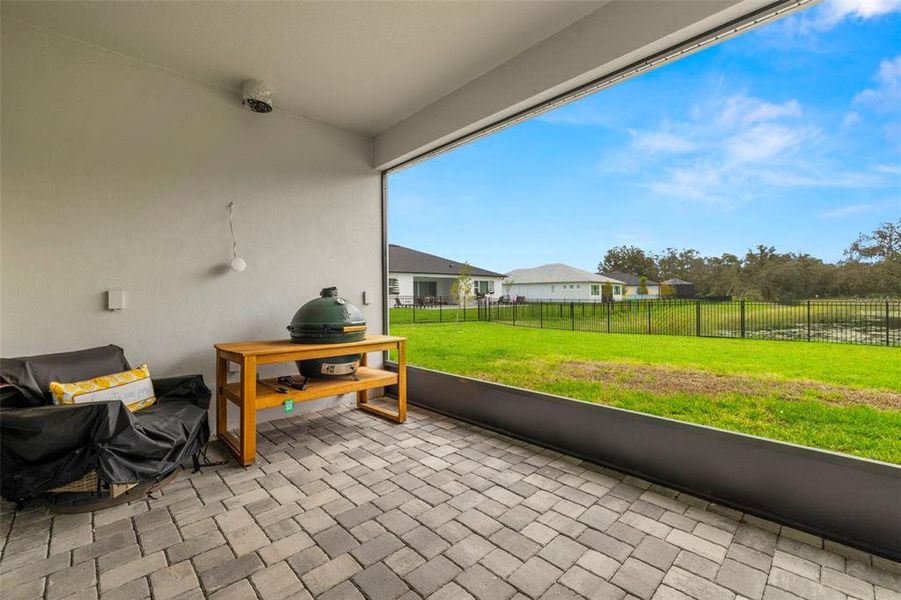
443	287
554	291
404	282
632	292
117	175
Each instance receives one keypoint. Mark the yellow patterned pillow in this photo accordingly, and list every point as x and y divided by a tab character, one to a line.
134	388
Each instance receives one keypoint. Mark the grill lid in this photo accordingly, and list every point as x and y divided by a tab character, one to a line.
327	318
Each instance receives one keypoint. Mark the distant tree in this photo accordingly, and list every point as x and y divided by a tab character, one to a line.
717	276
461	288
884	243
872	268
643	286
684	264
607	291
629	259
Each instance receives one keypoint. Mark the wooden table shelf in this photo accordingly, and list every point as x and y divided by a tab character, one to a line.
367	379
250	395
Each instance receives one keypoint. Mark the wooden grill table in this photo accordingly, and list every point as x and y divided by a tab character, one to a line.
251	395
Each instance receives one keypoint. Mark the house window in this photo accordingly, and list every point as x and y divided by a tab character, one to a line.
393	287
595	289
552	289
483	287
617	290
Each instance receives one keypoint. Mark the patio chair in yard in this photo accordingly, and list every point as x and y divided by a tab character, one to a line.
92	454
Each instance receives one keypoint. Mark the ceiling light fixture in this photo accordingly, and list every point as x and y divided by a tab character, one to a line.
256	96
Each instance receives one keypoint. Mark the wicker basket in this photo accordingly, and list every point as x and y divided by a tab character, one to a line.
89	483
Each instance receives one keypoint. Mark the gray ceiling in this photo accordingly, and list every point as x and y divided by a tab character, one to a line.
363	66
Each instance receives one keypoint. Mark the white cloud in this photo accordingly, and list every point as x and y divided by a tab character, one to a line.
883	206
661	141
815	176
886	96
736	148
890	169
846	211
741	109
851	118
765	141
698	182
709	156
832	12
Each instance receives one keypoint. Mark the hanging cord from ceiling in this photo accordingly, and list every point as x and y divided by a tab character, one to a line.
237	263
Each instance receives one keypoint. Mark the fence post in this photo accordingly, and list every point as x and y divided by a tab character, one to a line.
742	318
609	306
649	318
887	337
464	311
698	317
514	312
440	312
572	316
808	320
541	313
414	310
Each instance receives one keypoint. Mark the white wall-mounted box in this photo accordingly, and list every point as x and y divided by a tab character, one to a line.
115	299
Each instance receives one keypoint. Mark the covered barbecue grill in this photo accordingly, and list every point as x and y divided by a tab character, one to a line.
329	319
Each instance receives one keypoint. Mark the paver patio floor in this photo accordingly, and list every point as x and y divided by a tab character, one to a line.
342	505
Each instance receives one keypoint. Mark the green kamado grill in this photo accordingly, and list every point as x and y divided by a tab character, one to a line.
328	319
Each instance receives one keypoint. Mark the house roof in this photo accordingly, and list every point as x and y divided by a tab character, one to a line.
627	278
406	260
677	281
557	273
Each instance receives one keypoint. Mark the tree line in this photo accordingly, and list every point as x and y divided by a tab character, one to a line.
870	268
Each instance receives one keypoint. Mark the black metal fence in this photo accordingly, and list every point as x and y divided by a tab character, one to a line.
876	322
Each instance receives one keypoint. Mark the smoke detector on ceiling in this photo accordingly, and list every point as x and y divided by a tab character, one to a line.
256	96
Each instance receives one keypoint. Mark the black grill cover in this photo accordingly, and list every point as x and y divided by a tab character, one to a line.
44	447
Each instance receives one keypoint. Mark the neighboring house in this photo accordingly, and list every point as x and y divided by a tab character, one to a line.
415	276
678	288
631	285
559	282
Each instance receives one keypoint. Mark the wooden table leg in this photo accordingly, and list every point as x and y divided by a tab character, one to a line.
221	402
401	414
363	395
248	410
402	381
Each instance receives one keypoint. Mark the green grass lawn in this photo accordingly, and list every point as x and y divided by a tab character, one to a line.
833	396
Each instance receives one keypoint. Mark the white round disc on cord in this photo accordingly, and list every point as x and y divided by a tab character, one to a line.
238	264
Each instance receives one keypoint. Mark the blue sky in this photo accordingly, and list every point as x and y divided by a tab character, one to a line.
789	135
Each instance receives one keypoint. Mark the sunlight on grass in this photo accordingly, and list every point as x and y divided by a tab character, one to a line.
818	417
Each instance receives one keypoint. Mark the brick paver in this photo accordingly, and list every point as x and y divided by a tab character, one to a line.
342	505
